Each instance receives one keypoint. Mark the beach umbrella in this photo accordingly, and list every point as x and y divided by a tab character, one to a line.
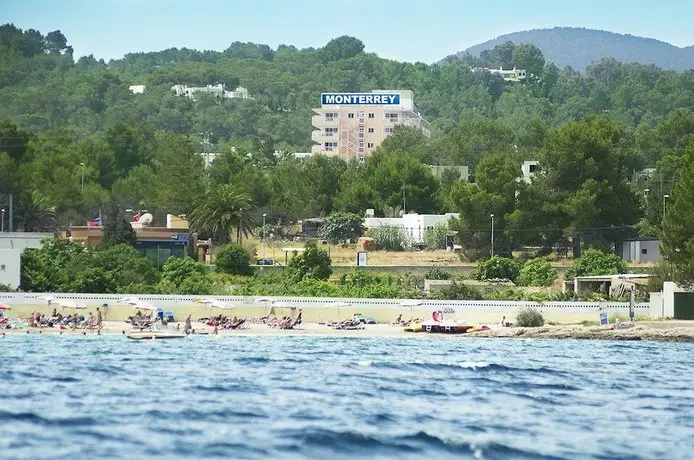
144	306
47	298
4	307
262	299
411	303
71	304
215	303
282	305
130	300
338	305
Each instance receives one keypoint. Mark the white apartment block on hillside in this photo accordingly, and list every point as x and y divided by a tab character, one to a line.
514	75
216	90
351	125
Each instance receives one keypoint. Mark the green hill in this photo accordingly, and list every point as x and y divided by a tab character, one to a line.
578	47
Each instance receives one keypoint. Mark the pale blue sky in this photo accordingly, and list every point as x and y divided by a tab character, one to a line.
410	30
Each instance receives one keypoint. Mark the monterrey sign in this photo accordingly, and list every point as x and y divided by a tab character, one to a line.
360	98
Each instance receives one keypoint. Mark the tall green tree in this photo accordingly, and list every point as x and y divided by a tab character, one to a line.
584	166
117	230
678	228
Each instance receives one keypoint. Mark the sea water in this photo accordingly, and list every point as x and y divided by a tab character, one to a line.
329	397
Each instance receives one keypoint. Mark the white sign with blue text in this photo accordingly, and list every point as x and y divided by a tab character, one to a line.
360	99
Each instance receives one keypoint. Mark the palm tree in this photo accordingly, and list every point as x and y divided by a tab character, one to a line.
37	214
222	210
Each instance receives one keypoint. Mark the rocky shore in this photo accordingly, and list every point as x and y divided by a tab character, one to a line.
645	332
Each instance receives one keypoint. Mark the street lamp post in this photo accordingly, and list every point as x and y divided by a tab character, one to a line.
264	236
666	196
2	220
492	250
82	164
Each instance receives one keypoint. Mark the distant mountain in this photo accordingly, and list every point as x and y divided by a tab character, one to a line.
578	47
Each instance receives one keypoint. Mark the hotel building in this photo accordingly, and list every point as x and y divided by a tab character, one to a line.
351	125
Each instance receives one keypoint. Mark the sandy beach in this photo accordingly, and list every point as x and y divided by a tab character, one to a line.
669	331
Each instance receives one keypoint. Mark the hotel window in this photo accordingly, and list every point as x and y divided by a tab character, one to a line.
350	115
330	146
370	145
392	117
361	129
388	130
371	130
372	115
330	131
330	116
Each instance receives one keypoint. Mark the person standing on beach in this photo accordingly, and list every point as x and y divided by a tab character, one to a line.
188	327
99	318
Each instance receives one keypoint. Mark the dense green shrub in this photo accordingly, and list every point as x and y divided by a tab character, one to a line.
313	263
435	238
390	238
457	291
529	317
436	273
342	226
176	270
537	272
596	262
496	268
233	259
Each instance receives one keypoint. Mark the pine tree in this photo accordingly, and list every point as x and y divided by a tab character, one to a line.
678	227
117	230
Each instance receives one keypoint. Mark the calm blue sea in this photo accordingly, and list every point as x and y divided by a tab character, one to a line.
318	397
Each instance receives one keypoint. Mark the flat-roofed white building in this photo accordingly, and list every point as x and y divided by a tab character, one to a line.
415	225
352	125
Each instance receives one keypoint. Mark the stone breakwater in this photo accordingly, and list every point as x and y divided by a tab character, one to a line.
674	334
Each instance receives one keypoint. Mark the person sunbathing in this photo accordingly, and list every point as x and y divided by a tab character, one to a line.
398	321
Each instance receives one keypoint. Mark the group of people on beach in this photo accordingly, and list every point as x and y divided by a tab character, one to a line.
60	321
224	322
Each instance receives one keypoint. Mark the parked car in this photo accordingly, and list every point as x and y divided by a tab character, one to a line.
271	262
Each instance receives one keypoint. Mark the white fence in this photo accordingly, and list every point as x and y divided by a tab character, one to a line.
21	298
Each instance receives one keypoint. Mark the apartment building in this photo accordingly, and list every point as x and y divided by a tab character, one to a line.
351	125
218	91
513	75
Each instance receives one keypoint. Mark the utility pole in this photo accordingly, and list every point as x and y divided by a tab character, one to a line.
492	217
404	208
11	226
82	164
264	237
666	196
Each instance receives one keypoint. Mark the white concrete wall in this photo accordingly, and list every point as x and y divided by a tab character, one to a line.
22	240
10	267
632	251
656	305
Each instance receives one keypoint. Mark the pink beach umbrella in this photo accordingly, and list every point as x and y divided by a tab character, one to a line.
4	307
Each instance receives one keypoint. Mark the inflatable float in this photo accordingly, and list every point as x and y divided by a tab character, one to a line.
149	335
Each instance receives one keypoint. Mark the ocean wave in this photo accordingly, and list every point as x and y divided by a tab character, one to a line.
419	443
482	366
211	415
35	419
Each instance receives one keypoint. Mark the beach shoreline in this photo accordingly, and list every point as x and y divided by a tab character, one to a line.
677	331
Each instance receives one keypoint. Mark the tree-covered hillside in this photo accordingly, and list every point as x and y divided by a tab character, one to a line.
579	47
74	137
